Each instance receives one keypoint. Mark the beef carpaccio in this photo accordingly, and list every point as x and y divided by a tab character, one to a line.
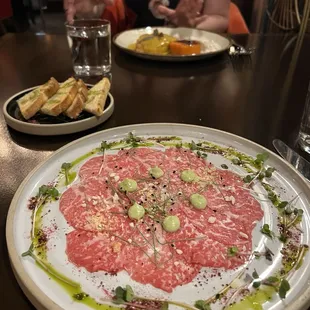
215	231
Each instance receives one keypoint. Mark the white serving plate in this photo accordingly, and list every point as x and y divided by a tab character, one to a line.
47	294
53	129
218	43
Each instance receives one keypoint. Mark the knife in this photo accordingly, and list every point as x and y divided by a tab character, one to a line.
297	161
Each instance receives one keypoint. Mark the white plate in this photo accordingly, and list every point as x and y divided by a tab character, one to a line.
10	109
47	294
217	44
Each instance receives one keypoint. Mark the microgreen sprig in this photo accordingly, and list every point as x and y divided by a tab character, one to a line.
126	296
133	140
266	231
260	160
47	191
202	305
232	251
65	168
47	267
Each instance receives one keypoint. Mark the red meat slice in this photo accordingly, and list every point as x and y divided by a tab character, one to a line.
91	206
165	271
97	210
94	251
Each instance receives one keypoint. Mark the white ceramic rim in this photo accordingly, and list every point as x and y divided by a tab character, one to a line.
172	57
34	293
63	128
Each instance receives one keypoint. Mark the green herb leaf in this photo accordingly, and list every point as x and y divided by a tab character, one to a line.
298	212
65	167
53	193
284	288
255	274
43	190
120	293
202	305
257	284
193	146
202	155
232	251
236	161
261	175
248	179
282	204
104	146
266	231
283	237
133	140
288	210
48	191
224	166
123	295
179	145
272	197
129	296
269	172
262	157
272	280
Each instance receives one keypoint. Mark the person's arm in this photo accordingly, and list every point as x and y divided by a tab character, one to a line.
184	15
84	7
215	16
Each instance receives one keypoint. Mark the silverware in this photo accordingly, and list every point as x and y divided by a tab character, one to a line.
297	161
239	50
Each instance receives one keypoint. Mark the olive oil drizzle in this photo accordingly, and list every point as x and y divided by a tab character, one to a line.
38	251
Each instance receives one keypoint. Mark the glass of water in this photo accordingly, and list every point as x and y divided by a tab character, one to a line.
90	43
304	132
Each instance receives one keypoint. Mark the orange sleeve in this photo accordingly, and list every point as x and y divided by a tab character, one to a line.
237	24
120	17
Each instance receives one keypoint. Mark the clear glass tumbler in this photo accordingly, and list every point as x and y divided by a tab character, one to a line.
304	132
90	43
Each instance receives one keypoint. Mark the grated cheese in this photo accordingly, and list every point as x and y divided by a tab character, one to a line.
211	219
243	235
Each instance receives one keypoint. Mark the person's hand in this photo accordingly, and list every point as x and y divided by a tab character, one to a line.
73	7
185	14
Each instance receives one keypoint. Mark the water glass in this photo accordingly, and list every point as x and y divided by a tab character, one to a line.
304	132
90	43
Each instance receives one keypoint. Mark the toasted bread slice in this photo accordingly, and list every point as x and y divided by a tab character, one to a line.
78	103
31	103
83	89
62	99
97	97
50	88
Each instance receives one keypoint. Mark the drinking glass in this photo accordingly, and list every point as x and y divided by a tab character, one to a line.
90	43
304	132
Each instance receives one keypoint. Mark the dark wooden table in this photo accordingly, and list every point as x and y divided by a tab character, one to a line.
261	98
